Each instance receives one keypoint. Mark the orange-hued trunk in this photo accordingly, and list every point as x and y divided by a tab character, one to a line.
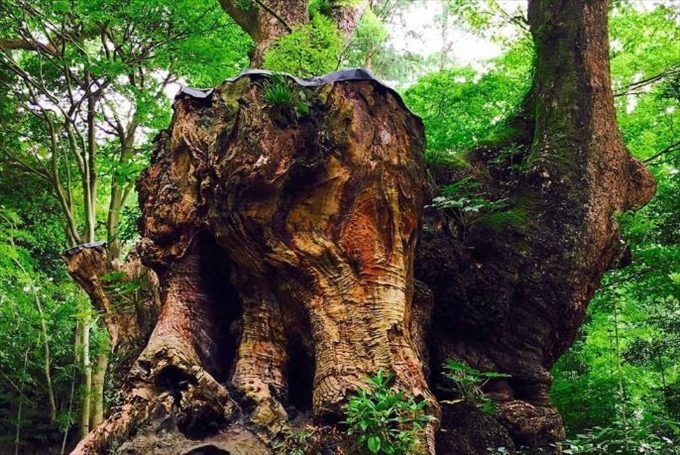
284	242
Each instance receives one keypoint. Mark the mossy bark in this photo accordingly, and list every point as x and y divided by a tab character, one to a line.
513	294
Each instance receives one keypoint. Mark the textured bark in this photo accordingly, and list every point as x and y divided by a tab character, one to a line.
284	241
128	316
265	21
284	246
511	296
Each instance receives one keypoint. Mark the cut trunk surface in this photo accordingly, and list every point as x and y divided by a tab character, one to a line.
284	238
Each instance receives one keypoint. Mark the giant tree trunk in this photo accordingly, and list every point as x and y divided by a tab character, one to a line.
284	239
284	242
511	295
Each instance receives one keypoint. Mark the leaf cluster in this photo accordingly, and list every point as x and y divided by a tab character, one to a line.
383	419
468	384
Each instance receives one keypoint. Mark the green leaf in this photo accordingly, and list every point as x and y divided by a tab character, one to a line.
374	444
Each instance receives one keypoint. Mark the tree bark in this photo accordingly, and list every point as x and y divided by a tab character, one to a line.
98	385
268	20
284	242
312	230
511	296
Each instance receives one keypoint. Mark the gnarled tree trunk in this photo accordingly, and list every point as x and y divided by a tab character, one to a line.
512	294
284	238
125	294
312	219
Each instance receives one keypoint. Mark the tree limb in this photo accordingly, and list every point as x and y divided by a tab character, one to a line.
671	148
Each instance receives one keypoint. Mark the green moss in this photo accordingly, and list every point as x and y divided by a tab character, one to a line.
446	158
229	95
515	218
505	136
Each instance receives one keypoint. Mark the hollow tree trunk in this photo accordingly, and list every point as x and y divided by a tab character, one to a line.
312	218
512	294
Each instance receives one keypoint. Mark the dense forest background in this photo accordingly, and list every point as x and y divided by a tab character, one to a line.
78	119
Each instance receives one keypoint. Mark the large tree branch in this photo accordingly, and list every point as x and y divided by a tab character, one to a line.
634	87
27	45
247	19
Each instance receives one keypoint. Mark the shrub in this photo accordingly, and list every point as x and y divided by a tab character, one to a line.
468	383
311	49
383	420
463	203
279	94
295	441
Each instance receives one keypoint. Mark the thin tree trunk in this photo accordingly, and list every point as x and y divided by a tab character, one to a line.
86	375
91	156
623	404
47	360
118	192
17	434
69	412
98	384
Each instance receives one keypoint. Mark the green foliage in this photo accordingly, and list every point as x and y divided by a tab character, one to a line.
652	436
129	215
468	383
461	107
280	92
277	92
311	49
29	297
368	40
464	203
326	7
245	5
444	158
125	292
296	441
131	53
320	7
383	420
